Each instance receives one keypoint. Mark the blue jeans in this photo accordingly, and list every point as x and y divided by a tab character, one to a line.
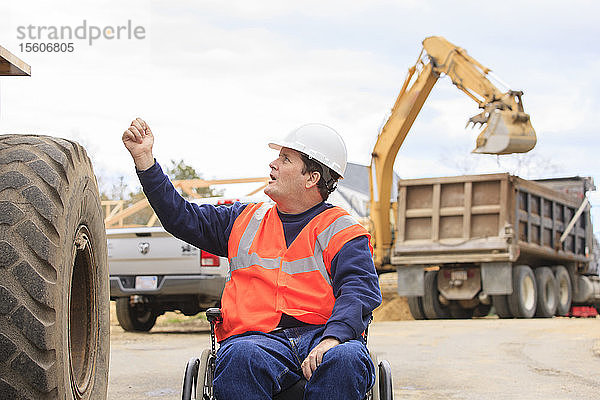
257	365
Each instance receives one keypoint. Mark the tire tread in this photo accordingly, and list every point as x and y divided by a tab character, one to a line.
431	304
515	300
34	178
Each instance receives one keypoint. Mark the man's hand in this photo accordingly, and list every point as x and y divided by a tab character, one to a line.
310	364
138	140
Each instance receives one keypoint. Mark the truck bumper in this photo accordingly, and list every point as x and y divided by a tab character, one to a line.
208	286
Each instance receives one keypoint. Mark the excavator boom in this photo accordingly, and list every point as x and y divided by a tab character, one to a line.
507	128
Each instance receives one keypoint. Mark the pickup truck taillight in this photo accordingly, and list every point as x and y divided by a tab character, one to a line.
209	260
226	202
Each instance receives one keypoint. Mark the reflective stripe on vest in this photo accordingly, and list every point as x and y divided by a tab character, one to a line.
308	264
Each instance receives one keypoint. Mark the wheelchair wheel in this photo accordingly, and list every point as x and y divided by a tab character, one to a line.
386	390
373	394
204	383
189	379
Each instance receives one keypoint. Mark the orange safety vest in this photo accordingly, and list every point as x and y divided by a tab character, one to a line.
267	279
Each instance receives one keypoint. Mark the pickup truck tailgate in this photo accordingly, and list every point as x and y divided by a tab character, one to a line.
153	251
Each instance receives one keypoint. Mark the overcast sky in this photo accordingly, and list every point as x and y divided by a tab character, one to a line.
216	79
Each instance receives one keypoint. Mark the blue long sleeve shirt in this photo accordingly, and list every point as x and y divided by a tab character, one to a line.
354	280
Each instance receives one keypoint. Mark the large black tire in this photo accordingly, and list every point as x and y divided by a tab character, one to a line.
501	305
523	300
432	307
54	295
565	290
547	292
415	305
135	318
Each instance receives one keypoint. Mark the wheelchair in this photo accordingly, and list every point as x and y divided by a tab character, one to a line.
199	372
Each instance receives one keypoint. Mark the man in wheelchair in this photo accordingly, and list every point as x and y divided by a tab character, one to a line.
302	284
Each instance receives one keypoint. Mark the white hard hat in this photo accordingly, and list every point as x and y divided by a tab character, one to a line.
319	142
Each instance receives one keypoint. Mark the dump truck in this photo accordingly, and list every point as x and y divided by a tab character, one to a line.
465	243
506	126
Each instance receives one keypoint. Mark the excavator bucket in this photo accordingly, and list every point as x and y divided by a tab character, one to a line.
506	132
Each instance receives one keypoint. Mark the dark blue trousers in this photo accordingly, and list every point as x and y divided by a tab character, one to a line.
257	365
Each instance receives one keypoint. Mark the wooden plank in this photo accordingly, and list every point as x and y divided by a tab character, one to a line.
467	210
118	207
120	216
435	215
261	187
152	220
200	183
11	65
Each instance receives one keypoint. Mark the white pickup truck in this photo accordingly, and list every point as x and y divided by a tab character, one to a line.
152	272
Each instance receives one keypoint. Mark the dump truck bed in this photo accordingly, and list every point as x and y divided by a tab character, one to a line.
487	218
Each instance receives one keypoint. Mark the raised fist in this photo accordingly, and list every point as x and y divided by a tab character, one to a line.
138	140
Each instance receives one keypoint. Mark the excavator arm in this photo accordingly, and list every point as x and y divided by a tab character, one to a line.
507	128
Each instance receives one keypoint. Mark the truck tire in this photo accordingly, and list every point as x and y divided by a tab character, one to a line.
137	317
54	294
415	305
565	291
547	292
523	300
432	307
501	305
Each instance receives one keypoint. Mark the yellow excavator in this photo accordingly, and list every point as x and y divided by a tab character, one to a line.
507	128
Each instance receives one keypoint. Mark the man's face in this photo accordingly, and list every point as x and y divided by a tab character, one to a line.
287	181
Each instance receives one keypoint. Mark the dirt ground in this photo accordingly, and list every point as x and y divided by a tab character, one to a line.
488	358
492	359
393	307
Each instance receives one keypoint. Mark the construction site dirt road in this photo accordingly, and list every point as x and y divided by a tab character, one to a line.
485	358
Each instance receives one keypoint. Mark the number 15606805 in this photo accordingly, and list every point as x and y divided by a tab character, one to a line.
47	47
